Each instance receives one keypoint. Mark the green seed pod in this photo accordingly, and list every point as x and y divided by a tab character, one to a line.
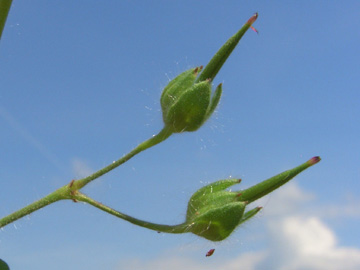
213	212
216	224
204	197
175	88
187	105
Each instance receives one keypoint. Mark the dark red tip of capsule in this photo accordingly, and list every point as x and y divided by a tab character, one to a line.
252	19
210	252
314	160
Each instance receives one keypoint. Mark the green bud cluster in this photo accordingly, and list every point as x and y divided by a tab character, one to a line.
214	212
187	104
186	101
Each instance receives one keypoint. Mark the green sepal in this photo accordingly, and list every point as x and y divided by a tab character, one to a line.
213	212
214	101
209	201
204	197
176	87
218	223
188	112
249	214
214	187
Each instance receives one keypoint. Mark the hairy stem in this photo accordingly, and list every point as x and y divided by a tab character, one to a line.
68	191
181	228
59	194
161	136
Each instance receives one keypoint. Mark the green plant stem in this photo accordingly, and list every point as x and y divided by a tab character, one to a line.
181	228
4	11
161	136
59	194
68	191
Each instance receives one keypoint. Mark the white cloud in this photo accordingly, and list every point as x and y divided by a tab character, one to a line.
296	241
291	198
246	261
348	209
165	263
309	235
307	243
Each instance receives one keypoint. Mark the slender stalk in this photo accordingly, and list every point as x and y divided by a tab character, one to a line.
68	191
59	194
4	11
161	136
181	228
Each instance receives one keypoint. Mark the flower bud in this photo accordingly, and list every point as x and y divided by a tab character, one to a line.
213	212
186	101
187	105
218	223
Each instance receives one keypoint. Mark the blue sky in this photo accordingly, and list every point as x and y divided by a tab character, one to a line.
80	87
